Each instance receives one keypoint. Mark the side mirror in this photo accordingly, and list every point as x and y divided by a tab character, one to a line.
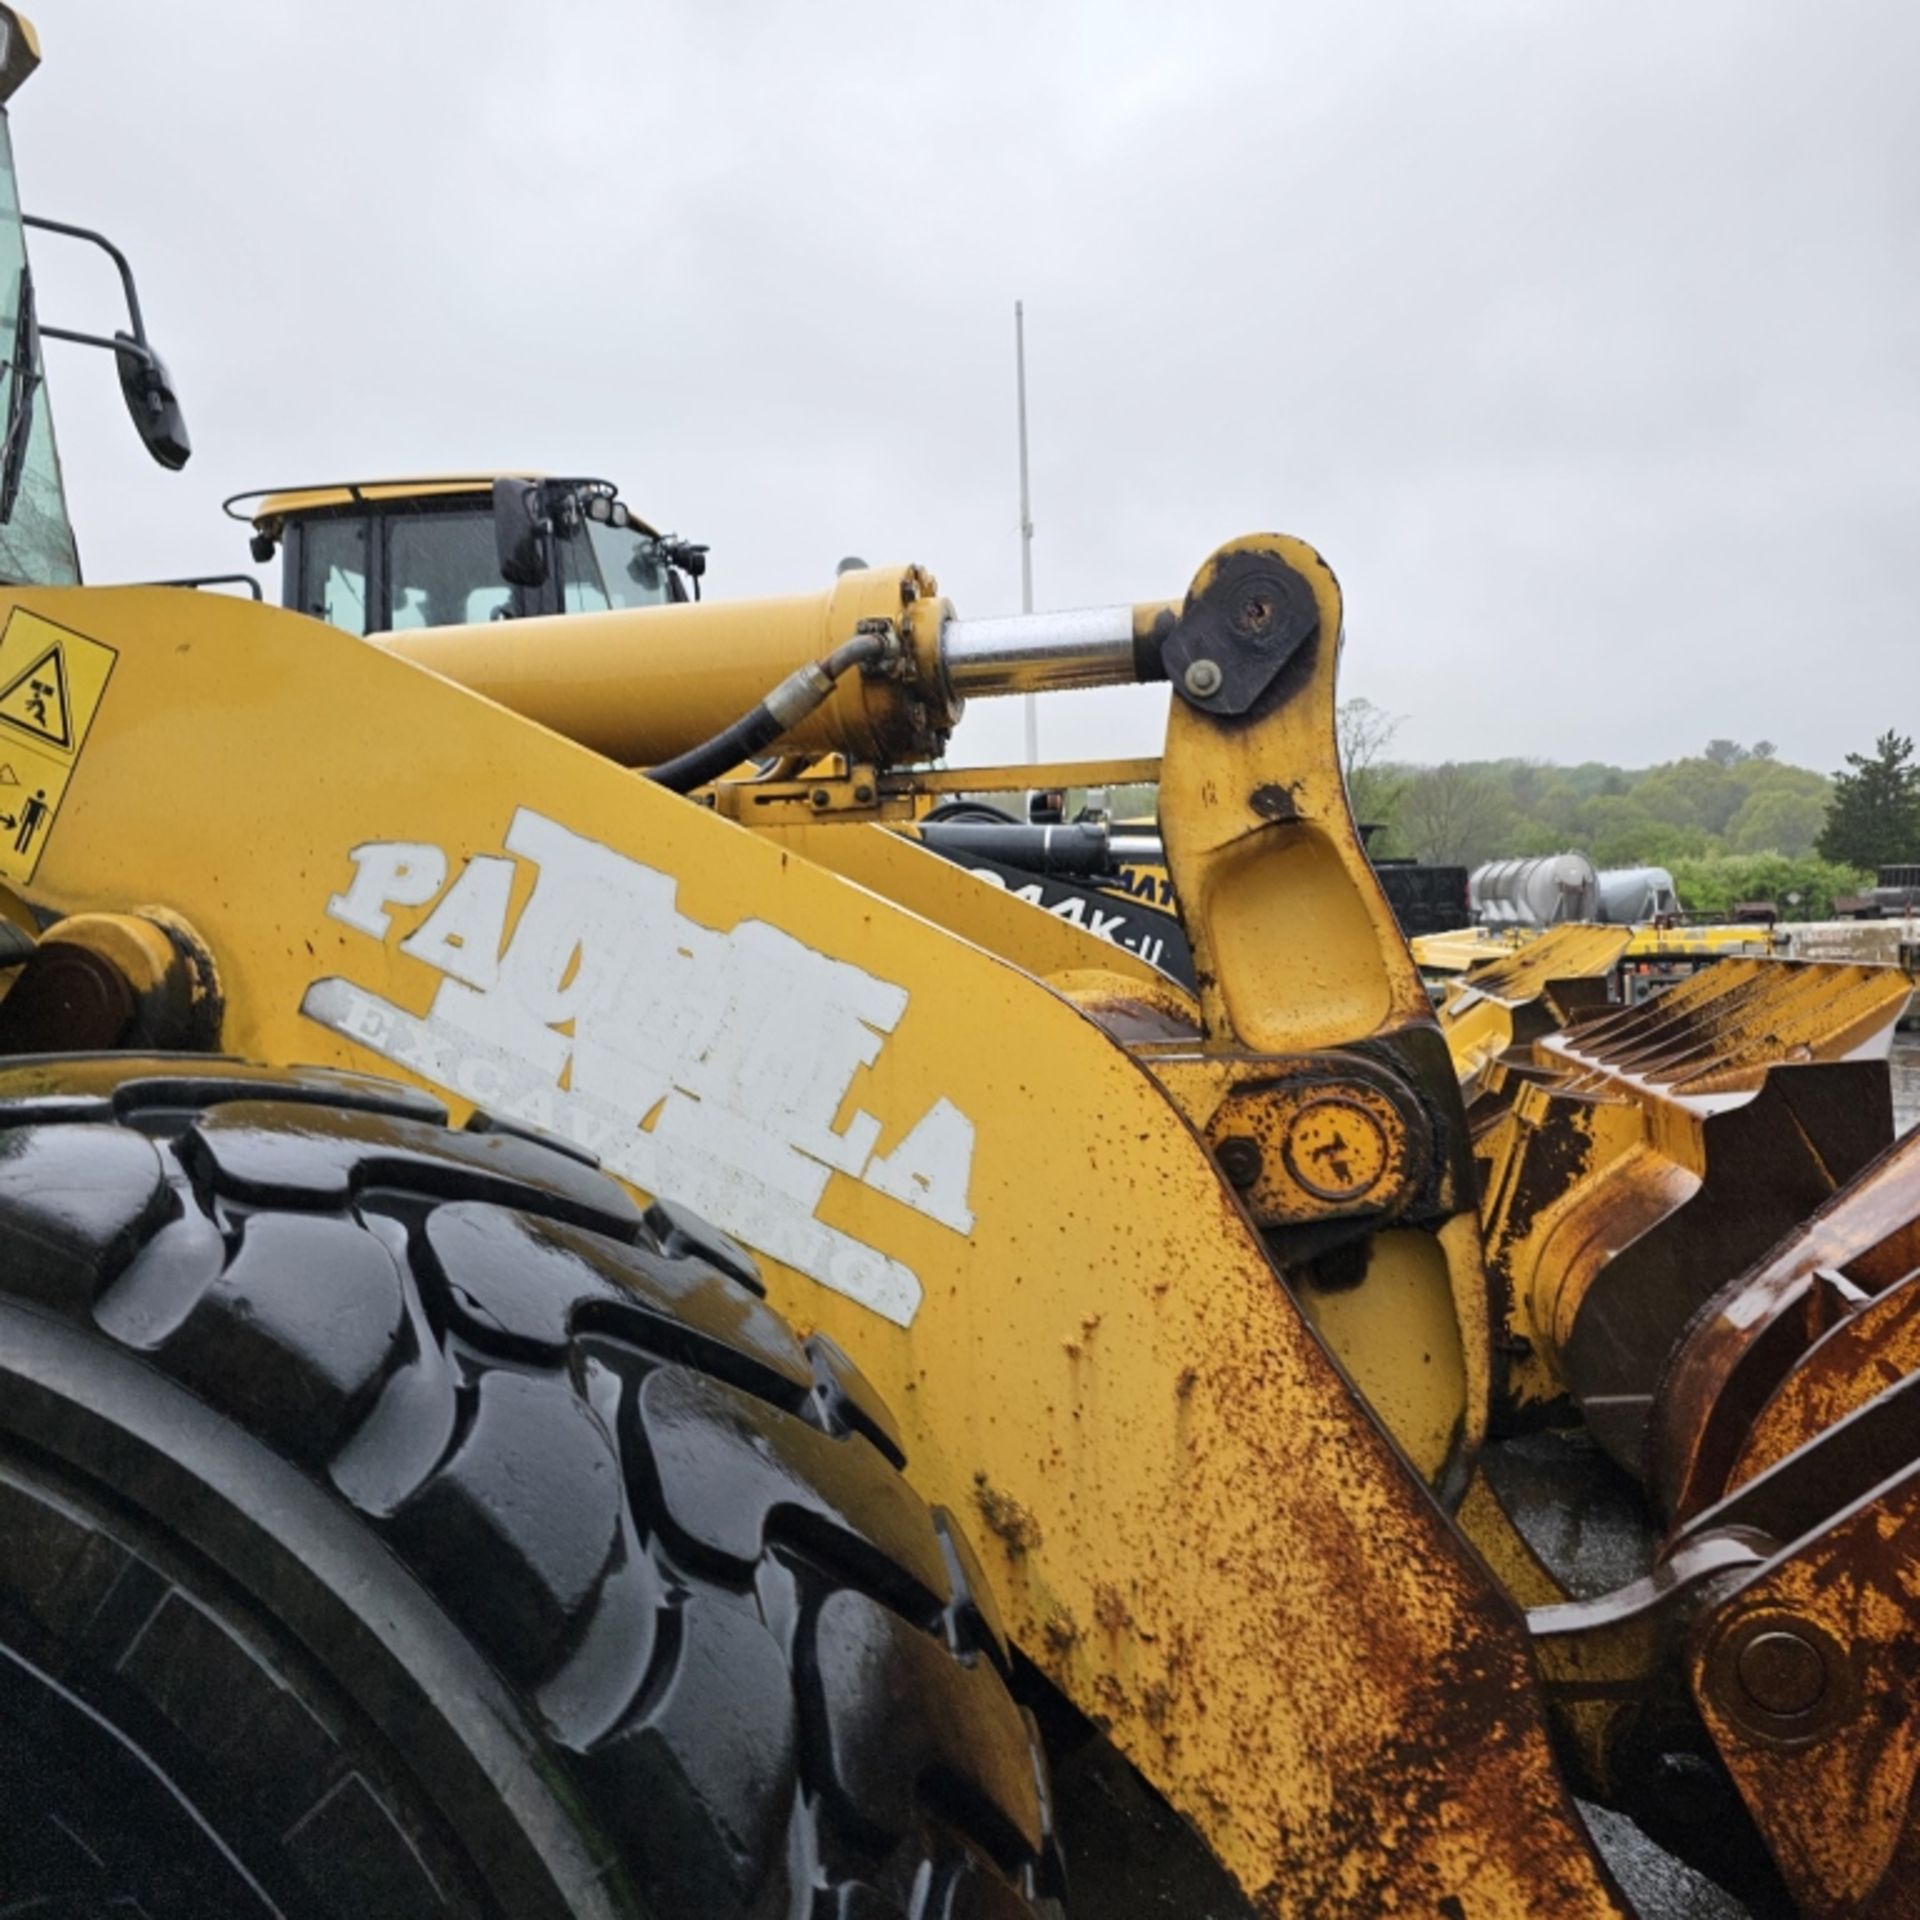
148	389
520	533
690	557
144	379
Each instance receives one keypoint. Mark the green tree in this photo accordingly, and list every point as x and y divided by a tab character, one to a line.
1454	815
1617	831
1873	819
1801	889
1528	837
1373	788
1625	835
1778	818
1528	782
1701	793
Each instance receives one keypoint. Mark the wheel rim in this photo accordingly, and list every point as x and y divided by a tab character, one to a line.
89	1820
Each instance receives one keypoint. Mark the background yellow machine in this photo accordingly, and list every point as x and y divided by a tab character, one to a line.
569	1350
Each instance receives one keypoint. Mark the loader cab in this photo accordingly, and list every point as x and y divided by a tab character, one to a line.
392	556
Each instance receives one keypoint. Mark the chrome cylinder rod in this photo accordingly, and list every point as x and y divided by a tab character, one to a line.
1039	652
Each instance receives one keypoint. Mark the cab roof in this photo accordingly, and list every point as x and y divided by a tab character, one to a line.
267	507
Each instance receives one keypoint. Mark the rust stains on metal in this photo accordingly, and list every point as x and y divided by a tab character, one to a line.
1312	1136
1716	1422
1059	1631
1645	1155
1561	953
1873	1346
1318	1673
1470	1689
1010	1523
1132	1011
1719	1031
1809	1680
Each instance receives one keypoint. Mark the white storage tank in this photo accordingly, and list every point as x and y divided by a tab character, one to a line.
1631	895
1539	892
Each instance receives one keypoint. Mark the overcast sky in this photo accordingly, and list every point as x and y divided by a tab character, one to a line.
1583	338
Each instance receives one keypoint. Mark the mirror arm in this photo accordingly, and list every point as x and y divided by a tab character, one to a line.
143	378
118	258
133	348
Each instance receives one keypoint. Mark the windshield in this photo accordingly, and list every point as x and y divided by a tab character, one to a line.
36	542
632	574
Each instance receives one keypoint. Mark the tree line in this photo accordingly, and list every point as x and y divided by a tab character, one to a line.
1731	822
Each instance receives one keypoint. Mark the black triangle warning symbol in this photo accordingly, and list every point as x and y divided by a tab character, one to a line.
36	701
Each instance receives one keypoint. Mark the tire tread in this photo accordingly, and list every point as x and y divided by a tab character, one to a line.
679	1533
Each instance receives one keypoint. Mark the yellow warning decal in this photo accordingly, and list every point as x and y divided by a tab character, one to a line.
51	684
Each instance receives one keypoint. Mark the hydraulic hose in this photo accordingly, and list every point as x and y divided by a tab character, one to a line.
783	709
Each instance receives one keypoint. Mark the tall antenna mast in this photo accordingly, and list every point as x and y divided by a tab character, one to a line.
1031	701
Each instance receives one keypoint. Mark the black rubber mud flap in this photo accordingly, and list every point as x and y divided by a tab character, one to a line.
394	1521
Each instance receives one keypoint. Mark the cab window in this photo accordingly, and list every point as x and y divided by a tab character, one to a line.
333	572
443	571
632	572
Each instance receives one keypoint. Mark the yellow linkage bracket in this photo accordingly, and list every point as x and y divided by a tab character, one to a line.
1321	1081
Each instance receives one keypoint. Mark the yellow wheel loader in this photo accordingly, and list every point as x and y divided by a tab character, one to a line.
566	1350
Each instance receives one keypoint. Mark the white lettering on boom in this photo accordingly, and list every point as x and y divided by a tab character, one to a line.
706	1066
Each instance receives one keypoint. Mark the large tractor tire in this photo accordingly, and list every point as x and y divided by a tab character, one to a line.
395	1522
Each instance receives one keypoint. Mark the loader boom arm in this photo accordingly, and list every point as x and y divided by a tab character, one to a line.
1027	1247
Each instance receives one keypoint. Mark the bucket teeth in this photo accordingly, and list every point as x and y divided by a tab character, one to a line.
1719	1031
